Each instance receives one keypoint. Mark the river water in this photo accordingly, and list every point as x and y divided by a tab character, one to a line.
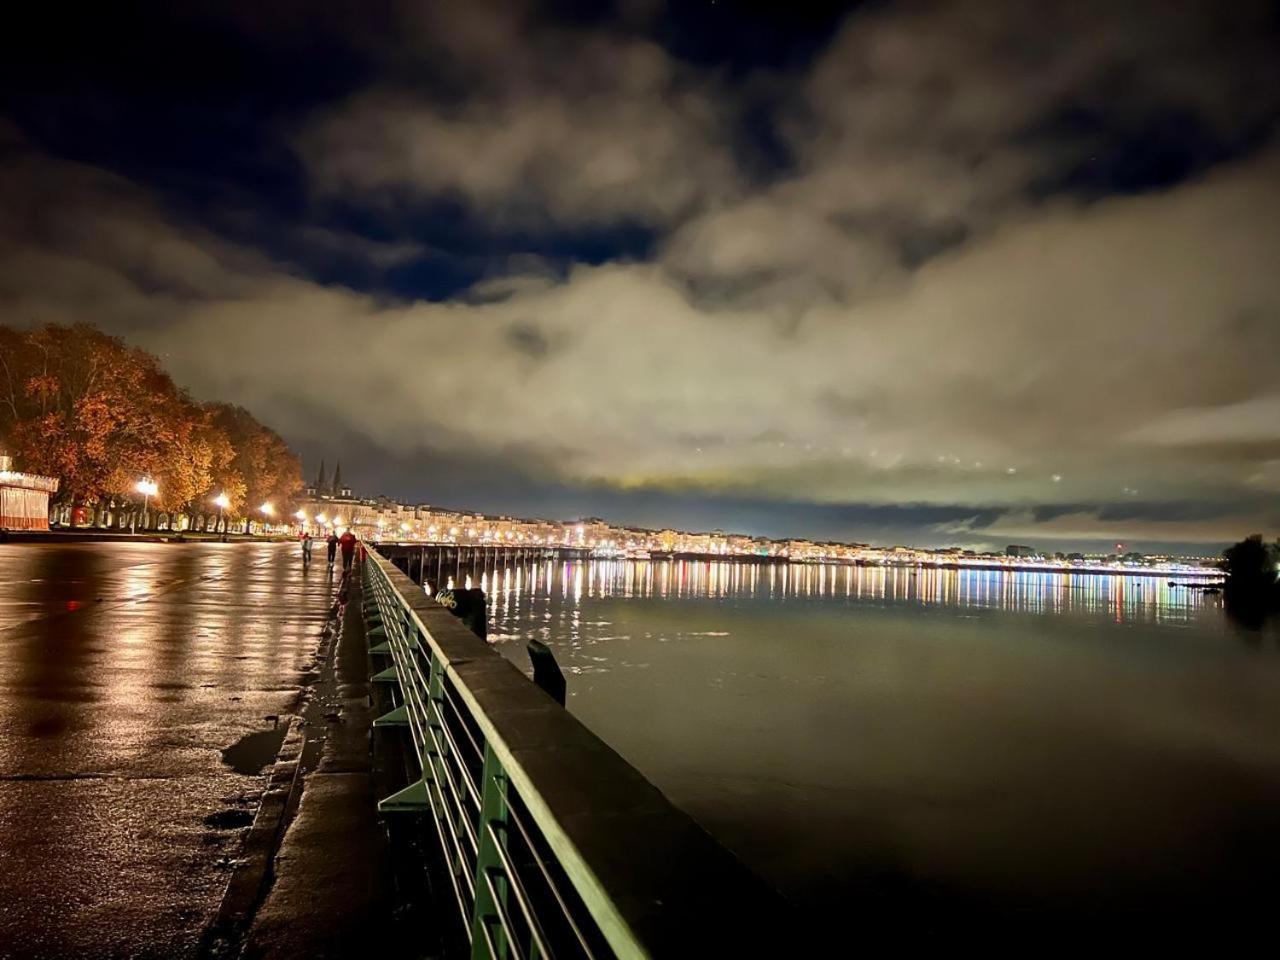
938	756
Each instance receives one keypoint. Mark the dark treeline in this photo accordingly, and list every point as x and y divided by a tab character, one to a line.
1252	590
99	415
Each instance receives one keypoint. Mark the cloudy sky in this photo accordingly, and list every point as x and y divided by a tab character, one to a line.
930	272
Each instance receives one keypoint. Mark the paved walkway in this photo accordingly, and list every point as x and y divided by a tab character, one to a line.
332	894
142	687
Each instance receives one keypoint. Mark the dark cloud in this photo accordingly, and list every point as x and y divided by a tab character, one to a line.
526	338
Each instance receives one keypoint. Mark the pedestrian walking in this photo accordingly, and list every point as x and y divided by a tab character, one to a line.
331	542
306	549
348	542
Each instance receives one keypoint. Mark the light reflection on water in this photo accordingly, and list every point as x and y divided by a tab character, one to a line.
961	751
513	591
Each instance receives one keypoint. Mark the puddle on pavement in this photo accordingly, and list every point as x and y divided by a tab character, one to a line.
252	753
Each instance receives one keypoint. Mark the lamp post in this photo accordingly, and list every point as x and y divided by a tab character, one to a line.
268	511
301	517
221	502
148	488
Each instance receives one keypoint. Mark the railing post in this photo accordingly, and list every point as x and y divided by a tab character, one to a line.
488	936
437	748
435	724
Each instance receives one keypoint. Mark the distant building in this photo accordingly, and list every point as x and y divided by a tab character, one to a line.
330	504
1020	551
24	498
324	488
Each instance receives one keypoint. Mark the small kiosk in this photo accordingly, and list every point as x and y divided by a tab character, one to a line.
24	498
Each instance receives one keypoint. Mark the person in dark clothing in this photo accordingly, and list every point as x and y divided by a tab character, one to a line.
306	549
331	542
348	543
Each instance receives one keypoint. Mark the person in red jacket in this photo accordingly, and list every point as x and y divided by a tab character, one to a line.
348	544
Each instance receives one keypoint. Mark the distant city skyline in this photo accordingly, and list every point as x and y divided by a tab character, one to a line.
643	511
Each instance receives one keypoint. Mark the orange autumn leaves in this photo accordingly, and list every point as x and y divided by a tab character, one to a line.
84	407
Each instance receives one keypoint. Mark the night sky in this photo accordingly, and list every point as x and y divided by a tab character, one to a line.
936	273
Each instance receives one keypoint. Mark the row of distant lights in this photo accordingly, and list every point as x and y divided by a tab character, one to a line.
488	534
301	516
149	488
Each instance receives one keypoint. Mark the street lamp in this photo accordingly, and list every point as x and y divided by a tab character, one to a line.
148	488
221	501
268	511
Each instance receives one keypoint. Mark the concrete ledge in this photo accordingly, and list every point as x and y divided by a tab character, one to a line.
330	880
252	871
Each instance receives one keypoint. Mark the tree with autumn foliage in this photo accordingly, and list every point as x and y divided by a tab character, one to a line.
269	470
86	408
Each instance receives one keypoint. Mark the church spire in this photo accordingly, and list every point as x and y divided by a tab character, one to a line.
337	479
320	480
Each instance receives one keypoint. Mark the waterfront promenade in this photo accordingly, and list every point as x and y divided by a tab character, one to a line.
145	690
185	771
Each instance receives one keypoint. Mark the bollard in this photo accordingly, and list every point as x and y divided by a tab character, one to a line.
546	672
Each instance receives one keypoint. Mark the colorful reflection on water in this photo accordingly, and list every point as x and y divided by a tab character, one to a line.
512	590
955	755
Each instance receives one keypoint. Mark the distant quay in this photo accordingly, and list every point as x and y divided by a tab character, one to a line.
501	554
1177	572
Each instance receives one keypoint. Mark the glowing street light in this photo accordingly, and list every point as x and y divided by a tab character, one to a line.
148	488
268	510
221	501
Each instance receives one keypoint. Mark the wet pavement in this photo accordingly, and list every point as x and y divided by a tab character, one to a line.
143	686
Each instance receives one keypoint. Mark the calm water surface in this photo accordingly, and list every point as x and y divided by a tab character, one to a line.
938	754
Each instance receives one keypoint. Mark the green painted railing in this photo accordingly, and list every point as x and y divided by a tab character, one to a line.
554	845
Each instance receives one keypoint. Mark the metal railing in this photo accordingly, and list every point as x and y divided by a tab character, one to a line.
555	847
